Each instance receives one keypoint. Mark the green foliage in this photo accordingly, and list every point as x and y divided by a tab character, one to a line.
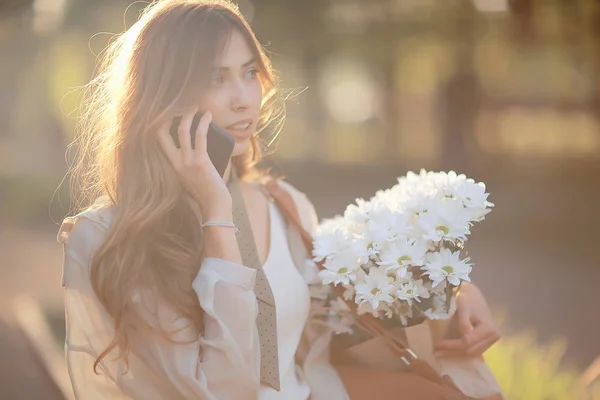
527	370
33	200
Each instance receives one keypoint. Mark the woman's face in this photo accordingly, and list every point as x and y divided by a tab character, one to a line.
235	95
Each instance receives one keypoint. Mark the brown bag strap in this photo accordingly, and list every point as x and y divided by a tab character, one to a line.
287	206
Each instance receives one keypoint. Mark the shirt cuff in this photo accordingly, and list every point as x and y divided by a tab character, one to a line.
227	271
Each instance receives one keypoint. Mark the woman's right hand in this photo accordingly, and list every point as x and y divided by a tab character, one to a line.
197	172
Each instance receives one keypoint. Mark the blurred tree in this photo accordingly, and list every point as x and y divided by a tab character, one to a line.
523	13
15	27
594	27
12	8
300	27
461	95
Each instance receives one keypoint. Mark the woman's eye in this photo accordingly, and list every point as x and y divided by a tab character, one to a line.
253	73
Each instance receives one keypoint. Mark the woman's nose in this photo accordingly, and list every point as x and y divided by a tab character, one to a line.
240	96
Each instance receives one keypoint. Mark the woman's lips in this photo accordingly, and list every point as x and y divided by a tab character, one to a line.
240	131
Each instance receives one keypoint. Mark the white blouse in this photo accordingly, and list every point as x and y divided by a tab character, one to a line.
221	364
292	305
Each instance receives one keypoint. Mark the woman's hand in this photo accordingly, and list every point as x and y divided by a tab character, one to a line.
198	174
477	327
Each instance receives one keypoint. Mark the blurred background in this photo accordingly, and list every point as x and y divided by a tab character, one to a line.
505	91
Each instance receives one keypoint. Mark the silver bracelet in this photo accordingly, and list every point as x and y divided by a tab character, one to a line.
220	223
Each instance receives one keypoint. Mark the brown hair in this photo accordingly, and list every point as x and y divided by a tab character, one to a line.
150	73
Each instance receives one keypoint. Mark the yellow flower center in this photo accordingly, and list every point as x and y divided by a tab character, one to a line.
404	258
448	269
443	229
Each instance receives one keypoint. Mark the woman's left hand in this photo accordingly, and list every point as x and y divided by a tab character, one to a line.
477	327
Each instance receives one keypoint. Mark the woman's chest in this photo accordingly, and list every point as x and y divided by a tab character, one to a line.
290	290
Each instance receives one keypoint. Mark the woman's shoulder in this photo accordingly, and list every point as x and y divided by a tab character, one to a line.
305	207
87	225
81	235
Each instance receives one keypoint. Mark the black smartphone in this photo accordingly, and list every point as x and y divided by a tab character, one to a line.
219	144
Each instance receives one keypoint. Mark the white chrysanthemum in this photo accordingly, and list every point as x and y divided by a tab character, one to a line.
401	254
411	180
340	318
417	207
365	247
377	287
447	266
349	293
439	289
412	193
360	212
407	278
478	214
341	268
436	314
473	196
446	221
330	225
386	226
438	309
330	239
412	290
444	181
367	308
390	236
404	312
387	199
397	271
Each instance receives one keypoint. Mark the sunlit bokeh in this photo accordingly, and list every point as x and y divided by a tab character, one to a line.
349	90
506	91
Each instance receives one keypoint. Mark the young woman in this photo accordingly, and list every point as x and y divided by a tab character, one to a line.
158	302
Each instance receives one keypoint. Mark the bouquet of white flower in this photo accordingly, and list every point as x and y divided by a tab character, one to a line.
398	255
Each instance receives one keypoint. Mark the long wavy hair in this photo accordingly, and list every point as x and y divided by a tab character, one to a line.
152	72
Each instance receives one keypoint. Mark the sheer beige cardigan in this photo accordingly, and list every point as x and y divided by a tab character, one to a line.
221	364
